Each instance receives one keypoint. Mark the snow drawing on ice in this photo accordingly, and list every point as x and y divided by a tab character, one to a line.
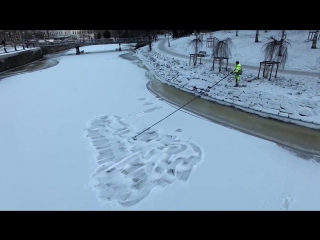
129	169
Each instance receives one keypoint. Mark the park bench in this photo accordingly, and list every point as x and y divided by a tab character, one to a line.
202	53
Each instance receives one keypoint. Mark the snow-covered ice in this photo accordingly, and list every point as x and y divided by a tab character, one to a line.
67	142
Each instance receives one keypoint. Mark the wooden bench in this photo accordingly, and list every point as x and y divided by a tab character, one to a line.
202	53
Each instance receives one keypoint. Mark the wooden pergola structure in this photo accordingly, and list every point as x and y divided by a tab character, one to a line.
268	65
194	57
210	42
220	59
311	34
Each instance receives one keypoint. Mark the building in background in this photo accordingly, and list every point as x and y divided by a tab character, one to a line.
43	35
71	34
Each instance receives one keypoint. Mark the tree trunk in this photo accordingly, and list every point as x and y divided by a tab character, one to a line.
314	41
10	36
196	48
257	36
267	71
150	45
35	34
237	33
283	37
273	50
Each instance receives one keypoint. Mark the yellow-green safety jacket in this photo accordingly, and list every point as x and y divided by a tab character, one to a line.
238	69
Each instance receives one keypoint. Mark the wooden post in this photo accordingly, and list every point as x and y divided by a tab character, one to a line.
311	35
277	70
268	69
271	72
259	70
194	58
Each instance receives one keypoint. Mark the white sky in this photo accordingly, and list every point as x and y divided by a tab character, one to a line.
55	121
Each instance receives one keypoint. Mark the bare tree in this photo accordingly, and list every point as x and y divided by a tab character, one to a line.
37	34
10	35
257	36
283	37
272	48
149	39
222	48
154	35
47	32
196	43
314	40
117	33
2	35
27	34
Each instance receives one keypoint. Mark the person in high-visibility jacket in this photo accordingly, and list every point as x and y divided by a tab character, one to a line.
238	71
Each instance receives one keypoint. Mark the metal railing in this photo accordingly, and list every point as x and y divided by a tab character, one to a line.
93	41
15	48
72	42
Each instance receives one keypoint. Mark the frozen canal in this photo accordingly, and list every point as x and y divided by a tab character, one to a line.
66	144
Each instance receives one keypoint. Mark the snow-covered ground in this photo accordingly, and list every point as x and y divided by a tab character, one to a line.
11	49
246	50
67	143
288	98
